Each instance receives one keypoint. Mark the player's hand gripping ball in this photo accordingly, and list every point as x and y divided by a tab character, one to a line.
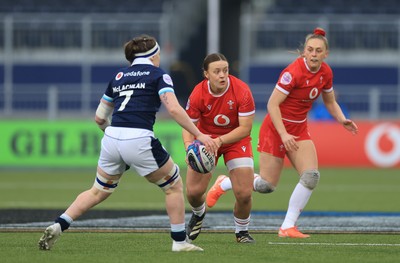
199	158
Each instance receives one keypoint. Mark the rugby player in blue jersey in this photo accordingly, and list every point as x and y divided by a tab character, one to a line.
132	99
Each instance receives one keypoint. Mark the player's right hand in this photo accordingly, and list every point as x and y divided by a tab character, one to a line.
290	143
211	145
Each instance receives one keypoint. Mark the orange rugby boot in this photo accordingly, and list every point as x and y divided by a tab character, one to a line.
215	192
292	232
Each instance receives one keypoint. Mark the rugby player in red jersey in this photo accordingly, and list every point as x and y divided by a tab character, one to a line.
284	130
222	106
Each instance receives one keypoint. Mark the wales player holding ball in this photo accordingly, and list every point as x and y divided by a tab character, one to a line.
222	105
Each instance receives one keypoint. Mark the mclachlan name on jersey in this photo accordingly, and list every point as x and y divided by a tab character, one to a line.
129	86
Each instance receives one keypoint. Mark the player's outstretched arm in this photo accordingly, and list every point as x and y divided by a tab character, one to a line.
180	116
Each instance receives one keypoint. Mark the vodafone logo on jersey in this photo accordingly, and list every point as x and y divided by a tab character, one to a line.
119	75
313	93
382	145
221	120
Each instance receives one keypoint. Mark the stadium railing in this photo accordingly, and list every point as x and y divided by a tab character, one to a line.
86	40
356	41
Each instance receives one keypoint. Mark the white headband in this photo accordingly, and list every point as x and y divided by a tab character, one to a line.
148	53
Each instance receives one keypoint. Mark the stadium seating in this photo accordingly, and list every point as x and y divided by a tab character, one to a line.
334	7
81	6
90	40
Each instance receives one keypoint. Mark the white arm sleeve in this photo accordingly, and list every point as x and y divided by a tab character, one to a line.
104	112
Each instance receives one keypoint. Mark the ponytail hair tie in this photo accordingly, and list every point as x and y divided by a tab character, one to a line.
319	31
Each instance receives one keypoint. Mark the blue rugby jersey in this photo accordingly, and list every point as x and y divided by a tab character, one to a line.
135	92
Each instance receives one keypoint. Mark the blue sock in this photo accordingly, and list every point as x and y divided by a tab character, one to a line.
64	220
64	224
179	236
178	232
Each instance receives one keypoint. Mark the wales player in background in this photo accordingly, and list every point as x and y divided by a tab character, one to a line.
284	131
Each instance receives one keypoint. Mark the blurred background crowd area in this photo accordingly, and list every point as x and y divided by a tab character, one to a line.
58	56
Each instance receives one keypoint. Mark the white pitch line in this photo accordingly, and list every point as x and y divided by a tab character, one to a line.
335	244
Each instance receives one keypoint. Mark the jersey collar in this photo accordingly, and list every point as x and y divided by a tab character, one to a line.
218	95
305	63
137	61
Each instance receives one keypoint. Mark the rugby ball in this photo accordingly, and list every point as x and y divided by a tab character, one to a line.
199	158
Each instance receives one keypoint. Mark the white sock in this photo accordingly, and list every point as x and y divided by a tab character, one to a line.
241	224
177	227
256	178
226	184
297	202
67	218
199	211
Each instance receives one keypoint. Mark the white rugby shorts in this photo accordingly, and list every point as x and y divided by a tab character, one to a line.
137	148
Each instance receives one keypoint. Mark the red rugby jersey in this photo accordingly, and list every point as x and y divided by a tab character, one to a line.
302	88
219	114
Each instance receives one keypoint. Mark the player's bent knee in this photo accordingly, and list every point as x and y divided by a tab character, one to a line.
262	186
170	179
310	179
104	184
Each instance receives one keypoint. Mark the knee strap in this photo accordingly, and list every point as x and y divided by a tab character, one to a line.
310	179
169	180
104	184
